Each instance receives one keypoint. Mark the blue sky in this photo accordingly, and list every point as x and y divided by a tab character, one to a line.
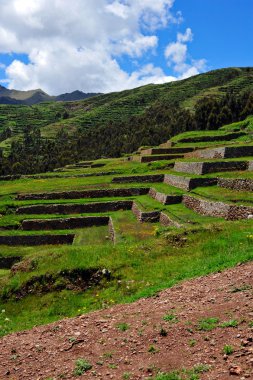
110	45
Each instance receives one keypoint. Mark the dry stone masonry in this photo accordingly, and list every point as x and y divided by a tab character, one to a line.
75	208
217	209
187	183
142	216
64	224
164	198
239	184
97	193
210	167
223	152
33	240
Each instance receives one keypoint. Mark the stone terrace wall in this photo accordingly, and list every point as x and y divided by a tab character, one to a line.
165	151
224	152
63	224
217	209
159	158
139	178
250	166
100	193
166	221
7	262
210	167
34	240
187	183
75	208
203	207
226	137
164	198
152	216
239	184
112	233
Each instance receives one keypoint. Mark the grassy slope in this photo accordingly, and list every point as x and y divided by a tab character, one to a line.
102	110
146	258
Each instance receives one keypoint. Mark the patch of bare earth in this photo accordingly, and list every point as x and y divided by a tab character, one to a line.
161	333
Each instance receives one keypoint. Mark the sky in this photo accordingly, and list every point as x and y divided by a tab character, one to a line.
112	45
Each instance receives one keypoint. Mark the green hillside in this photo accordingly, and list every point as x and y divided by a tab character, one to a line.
97	233
118	107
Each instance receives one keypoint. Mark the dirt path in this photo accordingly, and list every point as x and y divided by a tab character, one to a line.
50	352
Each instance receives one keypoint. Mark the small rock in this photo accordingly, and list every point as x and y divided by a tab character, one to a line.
235	370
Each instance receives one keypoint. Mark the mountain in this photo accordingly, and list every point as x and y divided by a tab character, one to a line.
37	96
120	122
75	95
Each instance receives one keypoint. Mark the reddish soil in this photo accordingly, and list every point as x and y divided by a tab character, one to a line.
51	351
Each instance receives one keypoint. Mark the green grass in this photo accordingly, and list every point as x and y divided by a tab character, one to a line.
133	263
145	259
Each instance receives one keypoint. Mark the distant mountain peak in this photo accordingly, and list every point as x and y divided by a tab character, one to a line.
37	96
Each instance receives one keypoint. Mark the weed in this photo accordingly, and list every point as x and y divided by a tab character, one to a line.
231	323
107	355
152	349
112	366
81	366
126	375
123	326
242	288
251	324
171	318
184	374
192	342
228	350
163	332
207	324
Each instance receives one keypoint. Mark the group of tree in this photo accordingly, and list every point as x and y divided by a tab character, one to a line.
161	121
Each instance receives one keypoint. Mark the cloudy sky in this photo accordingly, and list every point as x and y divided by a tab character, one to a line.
110	45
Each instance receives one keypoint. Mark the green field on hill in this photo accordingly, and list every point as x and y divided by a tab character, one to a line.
44	283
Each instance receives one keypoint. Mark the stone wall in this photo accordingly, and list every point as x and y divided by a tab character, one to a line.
166	221
33	240
112	233
239	184
98	193
203	207
75	208
64	224
142	216
223	152
7	262
164	198
159	158
203	138
217	209
210	167
139	178
187	183
250	166
165	151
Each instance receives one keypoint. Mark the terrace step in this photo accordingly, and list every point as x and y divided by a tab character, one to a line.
205	138
158	157
210	167
188	183
217	209
158	151
34	240
164	198
63	224
145	216
239	184
96	193
139	178
75	208
223	152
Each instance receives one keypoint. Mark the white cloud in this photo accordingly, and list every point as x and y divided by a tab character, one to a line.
176	54
186	37
79	44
